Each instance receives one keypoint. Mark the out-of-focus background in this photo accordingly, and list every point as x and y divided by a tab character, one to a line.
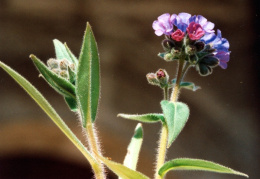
224	122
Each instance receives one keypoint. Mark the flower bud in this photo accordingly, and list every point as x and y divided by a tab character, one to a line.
168	57
56	71
176	52
162	77
52	63
199	46
190	49
152	79
64	74
64	64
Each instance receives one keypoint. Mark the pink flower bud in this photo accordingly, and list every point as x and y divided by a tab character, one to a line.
177	35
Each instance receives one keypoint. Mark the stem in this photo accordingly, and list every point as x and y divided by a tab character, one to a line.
161	151
95	150
165	93
176	89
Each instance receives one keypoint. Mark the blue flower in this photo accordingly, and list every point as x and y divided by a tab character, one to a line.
221	46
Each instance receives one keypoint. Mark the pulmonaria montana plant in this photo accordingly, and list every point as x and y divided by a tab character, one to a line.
189	40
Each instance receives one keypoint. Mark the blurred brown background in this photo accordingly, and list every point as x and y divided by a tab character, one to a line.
224	122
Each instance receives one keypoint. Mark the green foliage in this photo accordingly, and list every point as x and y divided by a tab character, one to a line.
87	81
47	108
61	85
196	164
147	118
187	85
61	51
122	171
176	115
133	148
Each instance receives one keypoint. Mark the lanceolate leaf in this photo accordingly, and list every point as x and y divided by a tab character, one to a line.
133	148
61	51
196	164
61	85
47	108
122	171
176	115
72	56
87	81
148	118
72	103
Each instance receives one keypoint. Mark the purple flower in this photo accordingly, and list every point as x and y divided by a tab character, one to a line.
221	45
178	35
195	31
163	25
181	21
206	25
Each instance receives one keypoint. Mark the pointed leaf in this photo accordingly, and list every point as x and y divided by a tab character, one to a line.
187	85
134	147
122	171
87	83
72	56
196	164
148	118
176	115
61	51
72	103
47	108
61	85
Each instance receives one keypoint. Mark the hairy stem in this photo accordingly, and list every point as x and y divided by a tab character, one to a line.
161	151
176	89
165	93
95	150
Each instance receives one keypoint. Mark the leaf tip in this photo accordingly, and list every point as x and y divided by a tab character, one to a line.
138	131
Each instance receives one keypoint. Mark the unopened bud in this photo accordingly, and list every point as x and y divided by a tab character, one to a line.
163	77
64	64
190	50
168	57
152	79
52	63
199	46
64	74
56	71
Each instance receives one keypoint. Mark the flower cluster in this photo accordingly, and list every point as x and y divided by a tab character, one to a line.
193	39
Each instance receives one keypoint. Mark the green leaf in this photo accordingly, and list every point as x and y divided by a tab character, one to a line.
61	51
47	108
134	147
61	85
87	83
187	85
148	118
72	56
196	164
176	115
72	103
122	171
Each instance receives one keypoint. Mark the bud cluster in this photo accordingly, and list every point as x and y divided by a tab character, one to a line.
62	68
159	78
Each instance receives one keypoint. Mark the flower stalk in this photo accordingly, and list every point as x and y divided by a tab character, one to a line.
162	150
